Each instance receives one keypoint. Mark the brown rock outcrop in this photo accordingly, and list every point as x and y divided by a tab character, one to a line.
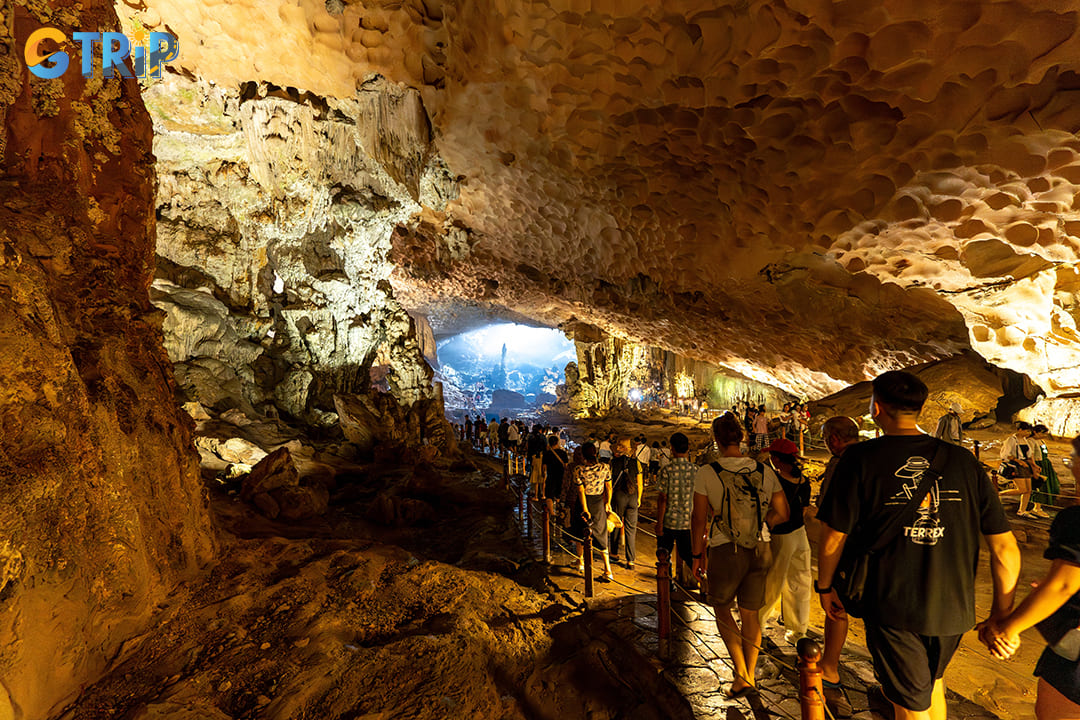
965	379
274	487
380	421
102	510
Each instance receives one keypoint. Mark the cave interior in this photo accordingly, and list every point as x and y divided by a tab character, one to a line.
314	243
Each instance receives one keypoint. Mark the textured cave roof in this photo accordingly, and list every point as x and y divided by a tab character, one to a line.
806	191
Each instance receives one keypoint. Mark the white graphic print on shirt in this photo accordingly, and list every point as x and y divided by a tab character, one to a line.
927	528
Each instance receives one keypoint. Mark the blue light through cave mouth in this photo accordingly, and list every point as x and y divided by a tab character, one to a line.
474	363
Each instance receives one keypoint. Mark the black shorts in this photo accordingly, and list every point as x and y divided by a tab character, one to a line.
907	664
676	538
553	487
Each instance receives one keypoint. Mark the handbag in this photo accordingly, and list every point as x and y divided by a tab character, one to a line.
1015	469
854	567
614	522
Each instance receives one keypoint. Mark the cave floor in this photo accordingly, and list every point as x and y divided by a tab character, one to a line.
354	615
447	613
695	660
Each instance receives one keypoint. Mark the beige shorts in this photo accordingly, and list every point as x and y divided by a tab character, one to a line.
738	573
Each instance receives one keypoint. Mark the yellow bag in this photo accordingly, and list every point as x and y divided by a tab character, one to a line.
614	522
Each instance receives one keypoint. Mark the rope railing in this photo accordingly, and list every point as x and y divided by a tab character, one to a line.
811	695
665	583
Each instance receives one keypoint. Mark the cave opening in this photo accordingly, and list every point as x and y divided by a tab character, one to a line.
503	367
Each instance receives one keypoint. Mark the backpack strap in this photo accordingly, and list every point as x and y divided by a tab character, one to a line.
759	468
718	516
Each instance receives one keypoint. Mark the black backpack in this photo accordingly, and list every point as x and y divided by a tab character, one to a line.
623	471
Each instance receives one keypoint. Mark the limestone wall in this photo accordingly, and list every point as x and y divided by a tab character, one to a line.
101	510
276	211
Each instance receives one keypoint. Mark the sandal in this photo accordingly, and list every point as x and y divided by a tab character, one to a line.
605	578
747	691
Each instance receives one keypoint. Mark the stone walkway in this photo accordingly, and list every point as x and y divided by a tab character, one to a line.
694	660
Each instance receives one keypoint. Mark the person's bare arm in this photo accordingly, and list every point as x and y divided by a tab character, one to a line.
607	496
640	483
779	510
1004	571
1060	584
830	547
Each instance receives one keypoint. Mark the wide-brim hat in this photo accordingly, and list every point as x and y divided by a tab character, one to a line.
956	408
784	447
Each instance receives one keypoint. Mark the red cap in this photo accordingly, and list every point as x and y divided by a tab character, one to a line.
784	447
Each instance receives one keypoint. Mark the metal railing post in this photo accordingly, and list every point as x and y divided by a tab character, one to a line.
811	697
546	532
663	593
587	549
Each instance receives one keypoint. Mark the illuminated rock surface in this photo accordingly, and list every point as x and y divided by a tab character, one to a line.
803	192
735	183
275	212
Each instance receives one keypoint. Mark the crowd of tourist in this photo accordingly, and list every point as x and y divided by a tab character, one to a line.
902	519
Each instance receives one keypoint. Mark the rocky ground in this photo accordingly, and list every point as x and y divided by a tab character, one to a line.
414	595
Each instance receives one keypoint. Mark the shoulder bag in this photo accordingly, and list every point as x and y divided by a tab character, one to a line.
854	567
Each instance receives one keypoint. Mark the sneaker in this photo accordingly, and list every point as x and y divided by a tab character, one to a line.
836	699
1039	513
791	637
1025	514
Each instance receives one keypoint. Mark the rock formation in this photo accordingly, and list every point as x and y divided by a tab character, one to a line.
275	214
733	183
600	380
802	192
102	512
966	379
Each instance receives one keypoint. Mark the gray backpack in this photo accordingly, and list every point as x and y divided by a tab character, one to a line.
742	509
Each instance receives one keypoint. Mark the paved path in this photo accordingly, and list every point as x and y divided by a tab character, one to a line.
694	659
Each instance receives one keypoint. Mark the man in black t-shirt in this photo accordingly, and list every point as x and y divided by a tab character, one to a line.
919	597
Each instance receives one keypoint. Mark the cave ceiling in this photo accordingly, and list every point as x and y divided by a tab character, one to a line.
807	191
